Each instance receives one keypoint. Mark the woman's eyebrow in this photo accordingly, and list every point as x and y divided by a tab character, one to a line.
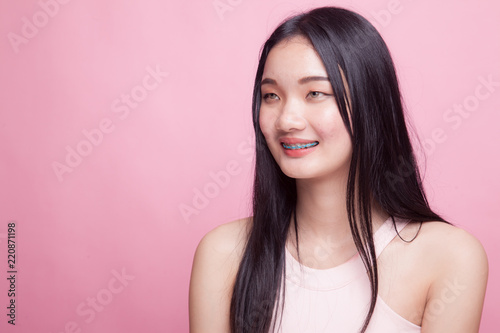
313	78
301	81
268	81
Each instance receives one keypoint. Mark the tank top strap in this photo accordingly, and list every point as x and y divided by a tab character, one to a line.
386	232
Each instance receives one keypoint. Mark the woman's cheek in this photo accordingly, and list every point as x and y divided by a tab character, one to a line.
264	122
331	126
327	129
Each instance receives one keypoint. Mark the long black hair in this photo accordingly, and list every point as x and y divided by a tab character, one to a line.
383	167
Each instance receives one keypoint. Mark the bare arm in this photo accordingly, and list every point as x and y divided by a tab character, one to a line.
212	278
455	298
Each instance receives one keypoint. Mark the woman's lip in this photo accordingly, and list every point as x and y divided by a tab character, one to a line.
293	141
298	152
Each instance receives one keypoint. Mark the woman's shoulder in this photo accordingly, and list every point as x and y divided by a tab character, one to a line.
441	272
228	239
458	265
444	246
222	247
215	265
450	243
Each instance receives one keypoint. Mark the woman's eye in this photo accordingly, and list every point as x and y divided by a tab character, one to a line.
270	96
316	94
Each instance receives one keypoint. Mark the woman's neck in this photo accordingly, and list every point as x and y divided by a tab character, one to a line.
321	208
322	219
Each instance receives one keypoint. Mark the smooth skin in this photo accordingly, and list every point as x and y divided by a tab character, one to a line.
438	281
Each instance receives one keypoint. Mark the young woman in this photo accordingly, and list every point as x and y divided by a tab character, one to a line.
342	238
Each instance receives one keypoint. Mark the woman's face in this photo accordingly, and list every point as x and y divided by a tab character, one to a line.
299	116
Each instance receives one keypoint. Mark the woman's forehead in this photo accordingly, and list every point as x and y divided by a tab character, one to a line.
293	58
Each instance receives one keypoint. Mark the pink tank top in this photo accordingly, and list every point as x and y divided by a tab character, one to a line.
337	299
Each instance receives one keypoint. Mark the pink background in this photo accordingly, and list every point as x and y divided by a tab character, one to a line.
117	209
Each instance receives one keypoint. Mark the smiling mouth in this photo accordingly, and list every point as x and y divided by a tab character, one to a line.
299	145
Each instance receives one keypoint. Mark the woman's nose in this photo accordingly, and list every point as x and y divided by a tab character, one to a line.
290	117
